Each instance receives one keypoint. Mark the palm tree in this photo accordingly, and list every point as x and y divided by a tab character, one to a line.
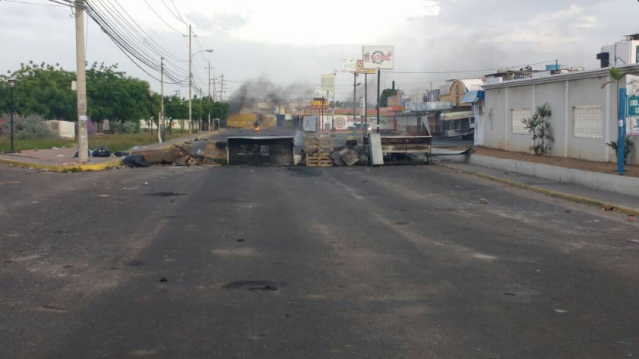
617	76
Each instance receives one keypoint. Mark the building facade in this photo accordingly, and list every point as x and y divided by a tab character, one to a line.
583	120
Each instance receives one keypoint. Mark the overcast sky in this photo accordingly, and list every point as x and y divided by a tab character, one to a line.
293	41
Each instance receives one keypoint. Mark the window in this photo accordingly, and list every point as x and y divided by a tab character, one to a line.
588	121
518	116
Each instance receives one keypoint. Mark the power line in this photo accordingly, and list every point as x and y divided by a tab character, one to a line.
171	12
33	3
116	32
178	12
161	18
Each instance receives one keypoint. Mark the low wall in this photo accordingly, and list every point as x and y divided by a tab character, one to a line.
602	181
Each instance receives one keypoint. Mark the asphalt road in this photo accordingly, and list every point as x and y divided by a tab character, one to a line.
390	262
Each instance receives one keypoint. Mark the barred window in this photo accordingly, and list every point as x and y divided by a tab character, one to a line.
518	116
588	121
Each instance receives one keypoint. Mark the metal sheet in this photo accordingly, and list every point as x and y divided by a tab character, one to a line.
261	151
375	143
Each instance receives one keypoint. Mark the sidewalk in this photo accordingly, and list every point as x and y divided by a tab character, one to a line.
61	160
573	192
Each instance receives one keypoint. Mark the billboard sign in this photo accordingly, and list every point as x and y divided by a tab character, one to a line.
378	57
360	68
327	83
319	103
349	65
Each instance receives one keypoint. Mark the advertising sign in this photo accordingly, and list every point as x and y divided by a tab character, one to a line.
360	68
632	126
378	57
345	122
632	123
327	83
349	65
319	103
632	85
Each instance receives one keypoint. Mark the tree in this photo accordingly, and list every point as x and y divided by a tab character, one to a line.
383	98
46	90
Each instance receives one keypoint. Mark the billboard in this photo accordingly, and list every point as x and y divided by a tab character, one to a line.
327	83
319	103
360	68
349	65
378	57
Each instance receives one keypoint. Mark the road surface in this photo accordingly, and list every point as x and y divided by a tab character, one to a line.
389	262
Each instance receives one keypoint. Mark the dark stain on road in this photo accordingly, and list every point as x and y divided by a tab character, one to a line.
165	194
259	285
303	172
134	263
401	223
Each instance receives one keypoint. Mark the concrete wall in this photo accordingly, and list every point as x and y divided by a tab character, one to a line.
562	97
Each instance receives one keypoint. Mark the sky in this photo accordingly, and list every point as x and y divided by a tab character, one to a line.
292	42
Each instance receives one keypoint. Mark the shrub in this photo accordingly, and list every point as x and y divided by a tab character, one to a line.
123	127
92	129
539	127
29	128
130	127
628	146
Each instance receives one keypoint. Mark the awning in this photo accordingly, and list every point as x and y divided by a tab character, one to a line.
473	96
449	116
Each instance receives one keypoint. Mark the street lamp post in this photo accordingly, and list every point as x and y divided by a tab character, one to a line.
12	84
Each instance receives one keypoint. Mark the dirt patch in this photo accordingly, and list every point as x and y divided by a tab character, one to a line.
601	167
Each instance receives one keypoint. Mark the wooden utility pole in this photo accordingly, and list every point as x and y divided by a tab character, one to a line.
190	80
161	119
83	138
222	91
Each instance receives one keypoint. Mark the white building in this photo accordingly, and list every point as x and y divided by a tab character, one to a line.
584	115
65	129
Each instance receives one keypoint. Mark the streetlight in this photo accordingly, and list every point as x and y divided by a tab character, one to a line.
12	84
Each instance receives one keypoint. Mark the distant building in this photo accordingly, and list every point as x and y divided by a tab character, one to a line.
459	120
623	53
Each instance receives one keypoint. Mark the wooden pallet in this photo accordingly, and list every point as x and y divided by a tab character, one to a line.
319	143
319	160
318	150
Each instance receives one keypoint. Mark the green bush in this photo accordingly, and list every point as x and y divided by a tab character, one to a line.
123	127
29	128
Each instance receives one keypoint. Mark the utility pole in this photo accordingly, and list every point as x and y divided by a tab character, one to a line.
354	103
83	138
222	91
379	81
209	78
210	98
365	130
214	89
161	121
190	81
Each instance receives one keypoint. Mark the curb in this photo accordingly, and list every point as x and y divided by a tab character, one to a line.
566	196
62	169
86	167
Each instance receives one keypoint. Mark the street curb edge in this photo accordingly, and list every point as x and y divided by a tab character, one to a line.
566	196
